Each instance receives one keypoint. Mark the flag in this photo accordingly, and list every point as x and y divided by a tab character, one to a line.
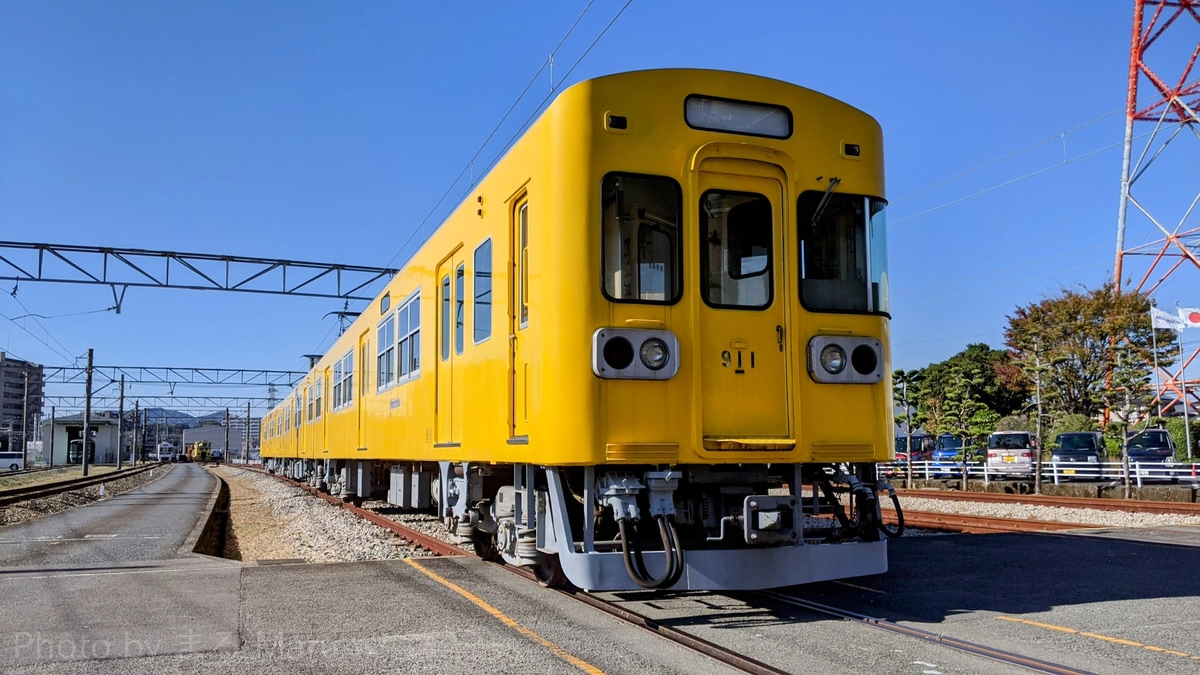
1190	317
1161	319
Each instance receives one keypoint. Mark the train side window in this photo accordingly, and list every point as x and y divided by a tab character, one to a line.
843	260
460	310
385	358
337	384
320	394
642	258
308	396
343	381
482	322
409	344
735	254
445	317
523	264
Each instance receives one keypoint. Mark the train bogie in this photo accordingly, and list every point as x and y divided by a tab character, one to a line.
645	349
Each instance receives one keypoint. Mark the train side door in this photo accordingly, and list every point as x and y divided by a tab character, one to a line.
743	317
451	328
518	375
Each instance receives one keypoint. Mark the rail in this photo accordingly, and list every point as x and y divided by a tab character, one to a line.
1054	472
22	494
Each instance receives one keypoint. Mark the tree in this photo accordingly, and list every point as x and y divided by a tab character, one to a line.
1074	341
976	380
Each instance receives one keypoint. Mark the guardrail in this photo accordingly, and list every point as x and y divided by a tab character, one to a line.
1055	472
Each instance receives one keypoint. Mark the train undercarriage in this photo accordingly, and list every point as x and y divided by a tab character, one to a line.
610	527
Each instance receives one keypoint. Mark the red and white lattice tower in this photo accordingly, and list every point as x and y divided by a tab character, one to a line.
1158	239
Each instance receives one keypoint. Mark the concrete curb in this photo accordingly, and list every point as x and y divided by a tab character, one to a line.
208	536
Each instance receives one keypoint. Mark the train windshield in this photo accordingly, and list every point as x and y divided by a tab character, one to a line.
843	252
642	258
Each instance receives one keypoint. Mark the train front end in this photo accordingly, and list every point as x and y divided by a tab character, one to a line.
738	322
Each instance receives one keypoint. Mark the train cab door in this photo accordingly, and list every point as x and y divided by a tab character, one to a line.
743	315
518	374
451	333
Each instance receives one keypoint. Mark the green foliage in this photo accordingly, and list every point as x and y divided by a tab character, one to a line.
1076	342
1016	423
1068	423
1175	427
977	380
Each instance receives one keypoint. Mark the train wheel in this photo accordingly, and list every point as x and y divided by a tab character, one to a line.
485	546
549	571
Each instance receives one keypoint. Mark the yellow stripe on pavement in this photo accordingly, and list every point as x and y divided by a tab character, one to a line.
508	621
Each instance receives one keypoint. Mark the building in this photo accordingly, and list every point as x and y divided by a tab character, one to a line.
64	440
21	386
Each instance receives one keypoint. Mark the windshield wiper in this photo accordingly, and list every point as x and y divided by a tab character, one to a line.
820	210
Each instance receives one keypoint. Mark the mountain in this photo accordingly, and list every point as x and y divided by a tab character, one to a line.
168	417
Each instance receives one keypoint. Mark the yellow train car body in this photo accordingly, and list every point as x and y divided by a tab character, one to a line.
673	268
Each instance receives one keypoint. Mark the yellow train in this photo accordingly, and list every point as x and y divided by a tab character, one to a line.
649	350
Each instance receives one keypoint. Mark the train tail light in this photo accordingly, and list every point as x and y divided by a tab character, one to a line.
634	354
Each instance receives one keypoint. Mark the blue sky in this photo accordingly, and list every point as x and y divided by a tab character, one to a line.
328	131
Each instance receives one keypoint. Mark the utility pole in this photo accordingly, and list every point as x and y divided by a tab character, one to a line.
136	445
1037	476
246	447
25	422
87	413
121	425
51	453
228	454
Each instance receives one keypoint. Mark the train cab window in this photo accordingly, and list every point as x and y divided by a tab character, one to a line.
482	323
736	230
641	253
385	358
460	310
843	252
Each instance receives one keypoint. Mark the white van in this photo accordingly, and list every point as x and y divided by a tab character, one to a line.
11	461
1010	453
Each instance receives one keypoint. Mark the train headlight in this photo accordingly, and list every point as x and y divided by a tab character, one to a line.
634	354
833	359
654	354
828	356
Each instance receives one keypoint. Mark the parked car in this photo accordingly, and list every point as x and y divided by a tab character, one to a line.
1079	446
1010	453
1152	447
946	458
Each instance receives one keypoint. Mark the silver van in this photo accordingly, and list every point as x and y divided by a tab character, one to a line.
1010	453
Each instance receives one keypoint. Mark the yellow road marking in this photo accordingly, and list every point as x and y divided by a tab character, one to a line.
508	621
1097	636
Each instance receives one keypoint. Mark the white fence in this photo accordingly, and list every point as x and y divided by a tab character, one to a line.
1052	472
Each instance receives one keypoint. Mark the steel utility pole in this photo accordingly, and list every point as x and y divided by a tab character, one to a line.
246	448
51	453
121	425
25	423
228	454
87	414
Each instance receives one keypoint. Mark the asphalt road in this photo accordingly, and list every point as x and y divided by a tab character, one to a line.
150	523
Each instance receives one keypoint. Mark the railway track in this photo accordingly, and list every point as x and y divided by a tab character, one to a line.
953	522
1126	505
742	662
983	651
438	547
42	490
30	470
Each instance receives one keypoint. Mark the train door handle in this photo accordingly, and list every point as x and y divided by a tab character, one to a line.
779	336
